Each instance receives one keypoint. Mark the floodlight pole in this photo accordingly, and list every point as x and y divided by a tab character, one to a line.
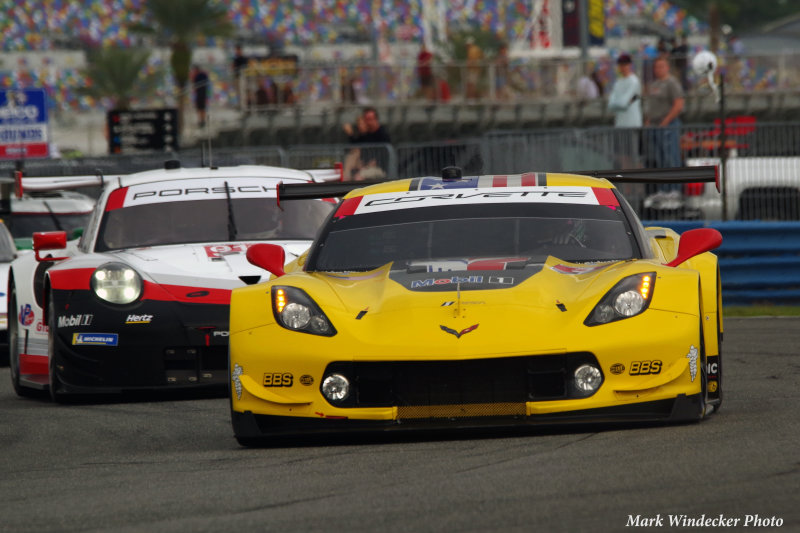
723	156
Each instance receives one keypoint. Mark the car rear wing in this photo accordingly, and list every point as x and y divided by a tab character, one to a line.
309	191
17	185
323	175
707	173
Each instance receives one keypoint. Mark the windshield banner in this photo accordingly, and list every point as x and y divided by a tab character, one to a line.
374	203
191	189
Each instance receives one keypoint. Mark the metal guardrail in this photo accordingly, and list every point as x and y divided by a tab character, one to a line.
759	261
761	175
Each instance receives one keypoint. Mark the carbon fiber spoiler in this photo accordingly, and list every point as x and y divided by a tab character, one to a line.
709	173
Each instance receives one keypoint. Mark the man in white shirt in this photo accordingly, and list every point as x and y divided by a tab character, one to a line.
625	101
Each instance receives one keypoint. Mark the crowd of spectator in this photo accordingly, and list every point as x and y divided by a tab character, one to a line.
48	25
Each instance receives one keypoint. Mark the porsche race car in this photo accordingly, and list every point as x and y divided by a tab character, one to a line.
141	300
484	300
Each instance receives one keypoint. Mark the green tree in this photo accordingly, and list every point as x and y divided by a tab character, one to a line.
179	24
119	74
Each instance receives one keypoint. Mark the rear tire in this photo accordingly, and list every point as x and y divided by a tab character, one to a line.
13	346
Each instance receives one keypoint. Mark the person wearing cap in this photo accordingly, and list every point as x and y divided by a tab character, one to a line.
625	101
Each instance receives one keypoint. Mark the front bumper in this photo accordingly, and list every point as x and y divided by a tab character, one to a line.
423	385
148	345
249	425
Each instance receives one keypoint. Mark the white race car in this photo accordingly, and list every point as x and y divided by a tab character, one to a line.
141	300
8	252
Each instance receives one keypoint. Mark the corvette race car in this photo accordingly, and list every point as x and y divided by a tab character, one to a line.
473	301
141	300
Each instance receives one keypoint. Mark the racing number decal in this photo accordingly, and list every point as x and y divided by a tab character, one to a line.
641	368
278	379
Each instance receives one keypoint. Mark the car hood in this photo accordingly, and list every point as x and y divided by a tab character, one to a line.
213	265
387	308
484	284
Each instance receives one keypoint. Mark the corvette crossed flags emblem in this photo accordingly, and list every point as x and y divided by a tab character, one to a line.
458	334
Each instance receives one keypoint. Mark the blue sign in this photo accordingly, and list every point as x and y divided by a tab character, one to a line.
95	339
23	123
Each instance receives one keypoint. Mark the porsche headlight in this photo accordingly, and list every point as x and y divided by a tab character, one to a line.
116	283
629	297
295	310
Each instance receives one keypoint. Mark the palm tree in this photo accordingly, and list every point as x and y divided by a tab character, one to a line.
118	73
180	23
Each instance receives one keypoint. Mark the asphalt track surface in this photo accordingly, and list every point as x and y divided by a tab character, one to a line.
172	464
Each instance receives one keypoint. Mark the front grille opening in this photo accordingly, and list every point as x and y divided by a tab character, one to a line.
192	365
250	280
460	388
214	358
180	358
546	386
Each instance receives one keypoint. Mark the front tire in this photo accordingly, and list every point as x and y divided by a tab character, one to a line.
53	357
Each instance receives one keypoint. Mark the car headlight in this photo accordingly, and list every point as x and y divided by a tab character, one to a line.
295	310
629	297
116	283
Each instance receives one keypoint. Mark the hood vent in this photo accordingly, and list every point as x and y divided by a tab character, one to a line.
250	280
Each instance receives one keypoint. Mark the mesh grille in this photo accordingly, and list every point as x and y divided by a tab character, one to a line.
461	411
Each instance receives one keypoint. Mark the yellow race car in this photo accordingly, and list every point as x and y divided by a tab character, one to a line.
456	301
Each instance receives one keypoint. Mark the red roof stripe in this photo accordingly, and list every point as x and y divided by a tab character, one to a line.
500	181
529	179
348	207
116	199
605	196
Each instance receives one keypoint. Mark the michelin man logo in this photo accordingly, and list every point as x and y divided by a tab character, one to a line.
237	383
692	357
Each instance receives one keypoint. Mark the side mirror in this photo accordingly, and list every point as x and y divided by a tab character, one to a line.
49	240
695	242
270	257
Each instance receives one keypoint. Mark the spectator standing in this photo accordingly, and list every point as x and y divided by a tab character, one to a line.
239	63
665	102
625	101
501	72
474	59
200	85
589	85
427	82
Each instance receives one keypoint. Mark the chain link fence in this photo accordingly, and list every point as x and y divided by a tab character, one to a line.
761	175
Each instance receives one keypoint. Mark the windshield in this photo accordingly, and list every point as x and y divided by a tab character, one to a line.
365	242
209	221
24	225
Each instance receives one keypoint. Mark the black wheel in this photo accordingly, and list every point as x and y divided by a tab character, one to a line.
13	345
53	358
